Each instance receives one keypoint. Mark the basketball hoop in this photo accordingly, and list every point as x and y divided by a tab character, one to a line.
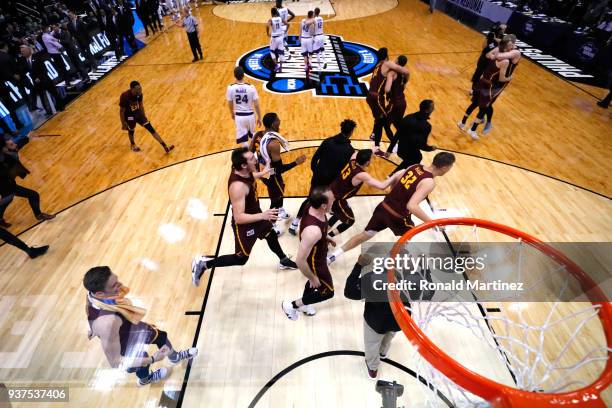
444	371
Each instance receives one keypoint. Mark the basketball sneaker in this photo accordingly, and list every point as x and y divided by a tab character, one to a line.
308	310
293	228
154	377
372	374
382	355
198	266
291	313
461	125
283	214
487	128
277	231
473	134
186	354
287	264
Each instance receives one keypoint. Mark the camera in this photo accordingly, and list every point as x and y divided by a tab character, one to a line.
389	392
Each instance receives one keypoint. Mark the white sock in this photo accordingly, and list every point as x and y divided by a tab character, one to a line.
336	254
295	223
320	60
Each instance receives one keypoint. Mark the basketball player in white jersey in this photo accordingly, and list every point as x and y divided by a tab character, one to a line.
286	15
319	40
276	32
306	38
242	99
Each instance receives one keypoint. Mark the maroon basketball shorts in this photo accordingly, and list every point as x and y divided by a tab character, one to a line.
342	210
245	235
133	119
276	186
383	219
485	93
320	269
376	102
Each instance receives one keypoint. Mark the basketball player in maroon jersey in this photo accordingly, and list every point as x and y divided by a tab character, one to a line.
394	212
123	336
249	223
380	86
347	184
271	151
397	99
493	81
132	111
312	255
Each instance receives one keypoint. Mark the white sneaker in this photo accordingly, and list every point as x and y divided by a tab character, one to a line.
473	134
186	354
198	266
308	310
331	259
282	214
277	230
291	313
461	125
154	377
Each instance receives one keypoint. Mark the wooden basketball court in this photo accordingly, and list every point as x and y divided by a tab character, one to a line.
544	169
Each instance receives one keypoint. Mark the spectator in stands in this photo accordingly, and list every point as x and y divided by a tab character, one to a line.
108	25
154	13
125	21
13	168
54	49
42	83
67	41
143	12
79	31
8	73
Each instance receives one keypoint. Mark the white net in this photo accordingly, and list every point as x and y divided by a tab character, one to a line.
547	337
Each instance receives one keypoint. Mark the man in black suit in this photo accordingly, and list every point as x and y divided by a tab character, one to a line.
8	73
153	6
23	66
42	82
108	25
125	21
65	38
143	11
80	32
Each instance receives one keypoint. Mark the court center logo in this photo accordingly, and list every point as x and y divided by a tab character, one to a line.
347	62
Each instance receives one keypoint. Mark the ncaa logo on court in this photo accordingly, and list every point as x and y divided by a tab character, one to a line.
347	62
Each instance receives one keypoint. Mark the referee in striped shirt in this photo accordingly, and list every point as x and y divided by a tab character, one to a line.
191	26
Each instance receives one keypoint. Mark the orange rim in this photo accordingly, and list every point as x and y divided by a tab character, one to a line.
501	395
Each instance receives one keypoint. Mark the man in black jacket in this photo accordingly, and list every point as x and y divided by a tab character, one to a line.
8	73
125	21
108	25
412	136
80	32
379	324
42	82
10	169
329	159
